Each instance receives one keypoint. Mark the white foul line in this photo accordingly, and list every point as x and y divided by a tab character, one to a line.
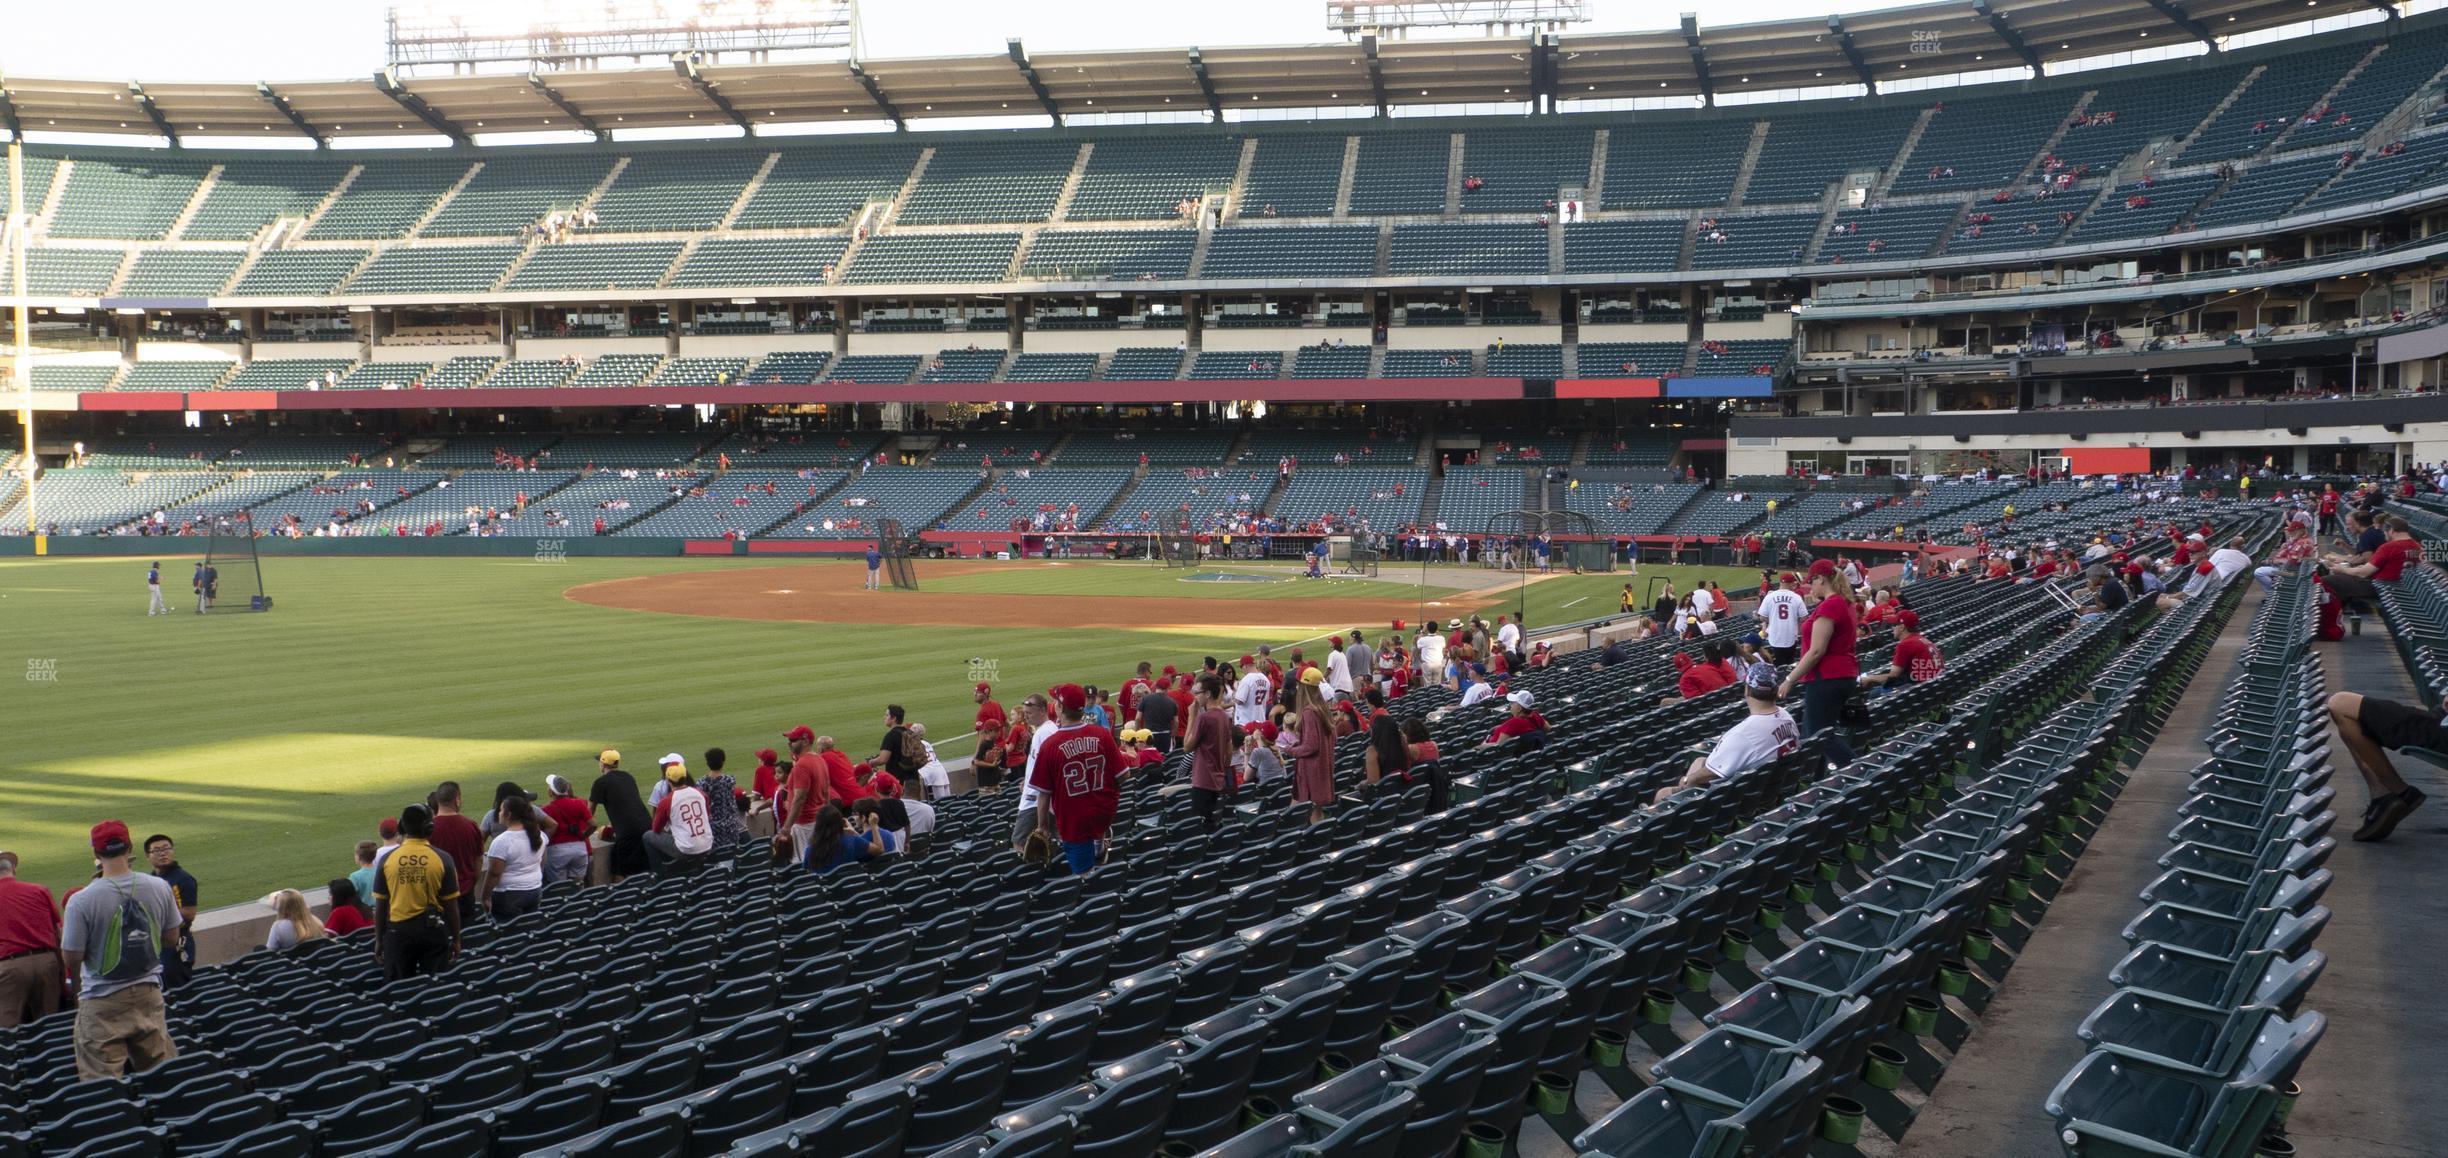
1583	599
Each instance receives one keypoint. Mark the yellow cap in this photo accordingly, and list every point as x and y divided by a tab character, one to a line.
1313	676
608	757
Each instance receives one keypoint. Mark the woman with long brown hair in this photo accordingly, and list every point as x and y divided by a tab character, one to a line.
1313	754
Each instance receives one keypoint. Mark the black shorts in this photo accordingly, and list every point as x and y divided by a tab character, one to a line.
2395	725
1784	655
988	775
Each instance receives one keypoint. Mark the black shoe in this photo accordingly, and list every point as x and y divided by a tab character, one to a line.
2381	818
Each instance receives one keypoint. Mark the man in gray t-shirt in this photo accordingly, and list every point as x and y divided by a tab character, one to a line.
116	964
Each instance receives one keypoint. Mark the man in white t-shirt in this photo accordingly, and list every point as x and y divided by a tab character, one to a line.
1781	612
921	825
1762	736
1250	695
1035	716
1508	634
1431	652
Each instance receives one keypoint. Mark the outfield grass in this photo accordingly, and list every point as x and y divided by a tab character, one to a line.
269	744
1565	598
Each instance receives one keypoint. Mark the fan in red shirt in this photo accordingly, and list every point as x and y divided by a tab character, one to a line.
840	775
990	716
1078	777
1524	720
768	776
1915	660
1134	689
875	781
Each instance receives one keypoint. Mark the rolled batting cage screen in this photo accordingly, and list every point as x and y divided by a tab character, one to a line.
233	572
1572	539
896	548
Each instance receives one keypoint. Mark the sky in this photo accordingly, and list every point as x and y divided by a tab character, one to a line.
250	40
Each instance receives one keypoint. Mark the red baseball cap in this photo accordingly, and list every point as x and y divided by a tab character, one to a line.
388	828
1071	697
1248	660
1910	619
110	833
1169	670
1789	579
985	687
767	755
1822	568
2133	568
802	732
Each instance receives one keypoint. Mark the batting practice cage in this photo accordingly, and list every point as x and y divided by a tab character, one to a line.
1177	544
1573	541
895	547
233	567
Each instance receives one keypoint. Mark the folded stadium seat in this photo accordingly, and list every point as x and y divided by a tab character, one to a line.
1114	1121
1143	363
2116	1104
869	1125
478	1085
820	185
180	273
664	1131
924	1033
281	1139
1108	255
752	262
823	1075
755	1101
595	265
373	1120
1050	1053
1309	251
957	1096
1666	1120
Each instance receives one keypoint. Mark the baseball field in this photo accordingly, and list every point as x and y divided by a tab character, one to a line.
268	744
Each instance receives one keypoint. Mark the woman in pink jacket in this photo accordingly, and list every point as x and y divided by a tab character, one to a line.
1313	755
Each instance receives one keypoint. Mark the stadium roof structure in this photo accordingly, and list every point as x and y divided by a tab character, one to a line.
1694	60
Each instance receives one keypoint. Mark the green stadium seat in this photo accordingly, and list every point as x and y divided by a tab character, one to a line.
933	257
822	187
1109	255
453	269
511	191
384	201
1130	178
981	181
610	265
688	190
180	273
758	261
131	200
297	272
253	193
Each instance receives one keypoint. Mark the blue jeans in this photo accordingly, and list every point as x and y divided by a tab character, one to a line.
1081	855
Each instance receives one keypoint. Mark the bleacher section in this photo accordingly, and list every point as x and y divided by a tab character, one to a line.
1982	142
1723	512
385	200
1675	166
460	269
1743	356
1386	498
2026	223
616	265
80	273
819	187
297	272
1806	151
1164	496
933	257
616	370
239	493
1294	173
2288	87
1642	448
1634	509
180	273
1051	368
1472	495
1145	178
339	498
2165	203
82	501
981	449
2162	107
1143	364
2410	59
384	375
163	452
286	373
969	365
700	372
1292	251
2373	177
690	191
1065	498
915	496
1522	168
1901	232
530	374
1631	359
1469	249
1755	241
573	509
1526	360
300	451
79	378
746	262
1348	361
978	181
1228	365
455	503
461	372
791	367
1401	172
886	369
135	200
1637	246
1428	364
1107	255
251	194
182	376
643	451
512	190
1163	448
2266	192
1317	448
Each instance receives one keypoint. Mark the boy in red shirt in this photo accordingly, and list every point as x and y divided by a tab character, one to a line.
1078	777
1915	661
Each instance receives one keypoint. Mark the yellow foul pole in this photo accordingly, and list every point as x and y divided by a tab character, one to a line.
22	370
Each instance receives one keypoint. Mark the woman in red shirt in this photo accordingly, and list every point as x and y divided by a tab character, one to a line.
572	818
1827	670
347	913
1313	752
